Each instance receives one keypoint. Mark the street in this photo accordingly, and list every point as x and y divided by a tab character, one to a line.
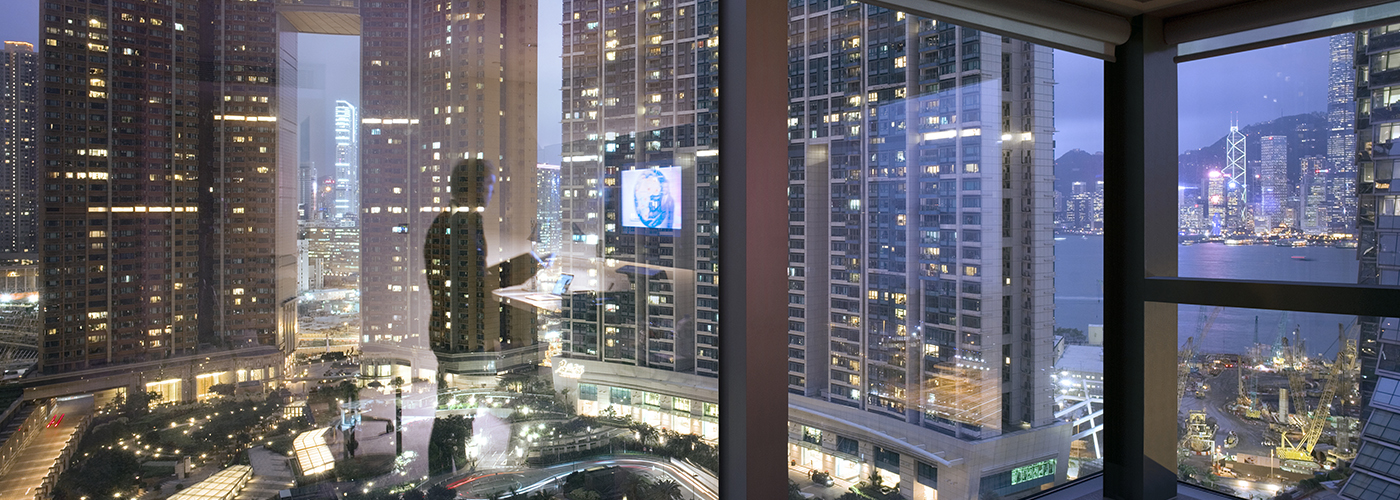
695	482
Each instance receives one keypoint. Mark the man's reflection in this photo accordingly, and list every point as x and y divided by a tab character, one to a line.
466	316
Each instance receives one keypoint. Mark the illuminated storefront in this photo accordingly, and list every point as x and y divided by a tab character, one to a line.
169	391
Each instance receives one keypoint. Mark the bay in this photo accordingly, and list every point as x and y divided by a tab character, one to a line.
1079	292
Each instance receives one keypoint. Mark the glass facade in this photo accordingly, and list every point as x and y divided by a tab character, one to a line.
437	248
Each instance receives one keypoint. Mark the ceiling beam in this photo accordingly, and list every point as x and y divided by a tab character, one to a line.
1251	15
1052	23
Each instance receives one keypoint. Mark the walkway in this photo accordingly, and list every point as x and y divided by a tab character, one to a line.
41	456
271	473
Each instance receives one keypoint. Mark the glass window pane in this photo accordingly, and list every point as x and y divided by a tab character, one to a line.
364	241
928	254
1270	398
1275	147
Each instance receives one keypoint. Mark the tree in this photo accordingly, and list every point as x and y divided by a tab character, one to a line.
414	494
1072	335
351	443
666	490
398	415
106	472
447	446
348	391
794	492
440	492
636	486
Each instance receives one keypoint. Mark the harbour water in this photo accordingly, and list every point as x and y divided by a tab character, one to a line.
1079	291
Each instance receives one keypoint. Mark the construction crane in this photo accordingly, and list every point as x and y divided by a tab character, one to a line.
1188	350
1297	383
1312	428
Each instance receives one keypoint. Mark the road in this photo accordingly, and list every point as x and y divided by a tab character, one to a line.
695	482
36	461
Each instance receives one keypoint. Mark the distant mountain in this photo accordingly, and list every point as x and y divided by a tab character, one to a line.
1078	165
1307	136
550	154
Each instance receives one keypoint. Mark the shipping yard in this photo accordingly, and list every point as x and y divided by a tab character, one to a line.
1257	423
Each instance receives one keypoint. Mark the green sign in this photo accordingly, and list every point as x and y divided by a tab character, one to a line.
1033	471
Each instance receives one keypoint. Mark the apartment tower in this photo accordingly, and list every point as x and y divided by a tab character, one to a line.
640	99
167	222
19	91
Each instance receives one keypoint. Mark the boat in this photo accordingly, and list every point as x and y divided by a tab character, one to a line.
1345	243
1300	257
1291	242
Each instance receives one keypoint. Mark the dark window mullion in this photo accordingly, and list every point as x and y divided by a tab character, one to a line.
1338	298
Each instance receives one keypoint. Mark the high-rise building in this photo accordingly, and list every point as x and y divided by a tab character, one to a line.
306	173
921	246
1216	209
1312	195
164	228
442	83
1379	380
19	102
1275	191
334	249
922	274
347	162
1342	145
1235	181
549	232
1084	208
640	105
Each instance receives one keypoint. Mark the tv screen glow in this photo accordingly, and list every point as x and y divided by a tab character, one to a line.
651	198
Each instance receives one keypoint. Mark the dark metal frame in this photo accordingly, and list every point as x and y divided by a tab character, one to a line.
1140	265
753	250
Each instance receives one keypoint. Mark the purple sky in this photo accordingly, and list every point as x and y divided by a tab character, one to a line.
1257	85
21	21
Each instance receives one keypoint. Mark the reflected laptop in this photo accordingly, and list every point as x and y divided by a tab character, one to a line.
561	287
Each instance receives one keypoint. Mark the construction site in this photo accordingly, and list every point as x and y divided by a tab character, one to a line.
1254	423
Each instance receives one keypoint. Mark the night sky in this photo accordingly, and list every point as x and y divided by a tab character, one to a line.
1257	86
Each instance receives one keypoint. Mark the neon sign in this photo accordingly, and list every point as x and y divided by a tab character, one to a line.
1033	471
570	370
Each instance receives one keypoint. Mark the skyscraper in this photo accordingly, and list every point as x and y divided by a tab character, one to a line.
164	228
549	233
1379	380
920	246
931	276
1216	210
640	107
1341	133
1312	195
19	91
1236	180
306	173
1275	192
442	83
347	163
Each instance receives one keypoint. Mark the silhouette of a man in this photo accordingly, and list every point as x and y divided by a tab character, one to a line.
466	316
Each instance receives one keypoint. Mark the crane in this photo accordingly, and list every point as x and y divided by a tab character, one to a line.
1297	384
1312	428
1188	350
